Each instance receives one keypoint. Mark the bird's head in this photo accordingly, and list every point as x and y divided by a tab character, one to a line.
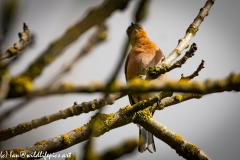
134	32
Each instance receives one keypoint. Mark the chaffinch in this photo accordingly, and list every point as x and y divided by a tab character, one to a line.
143	54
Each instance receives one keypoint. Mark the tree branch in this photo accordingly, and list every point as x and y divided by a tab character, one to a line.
184	42
99	36
184	148
23	38
153	72
105	122
95	16
232	82
75	110
207	87
195	73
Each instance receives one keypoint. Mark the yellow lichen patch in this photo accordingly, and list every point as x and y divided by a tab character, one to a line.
25	125
20	85
67	86
79	129
108	119
171	84
103	36
13	51
100	122
95	85
66	139
125	109
138	83
234	78
178	138
179	97
144	115
193	149
115	86
43	142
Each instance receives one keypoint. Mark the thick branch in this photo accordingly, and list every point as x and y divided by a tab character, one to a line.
207	87
75	110
231	82
182	146
106	122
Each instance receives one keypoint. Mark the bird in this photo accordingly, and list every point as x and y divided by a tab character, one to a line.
143	54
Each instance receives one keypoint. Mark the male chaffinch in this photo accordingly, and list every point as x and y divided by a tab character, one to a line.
143	54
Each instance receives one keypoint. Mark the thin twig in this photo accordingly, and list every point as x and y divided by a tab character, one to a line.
184	42
154	72
23	38
195	73
95	16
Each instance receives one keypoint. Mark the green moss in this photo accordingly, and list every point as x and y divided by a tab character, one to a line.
43	142
20	86
66	139
179	97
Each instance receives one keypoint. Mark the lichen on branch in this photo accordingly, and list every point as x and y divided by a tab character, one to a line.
17	47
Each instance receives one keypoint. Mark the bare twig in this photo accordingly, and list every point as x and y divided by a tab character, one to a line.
195	73
154	72
26	45
99	36
13	51
184	42
94	17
